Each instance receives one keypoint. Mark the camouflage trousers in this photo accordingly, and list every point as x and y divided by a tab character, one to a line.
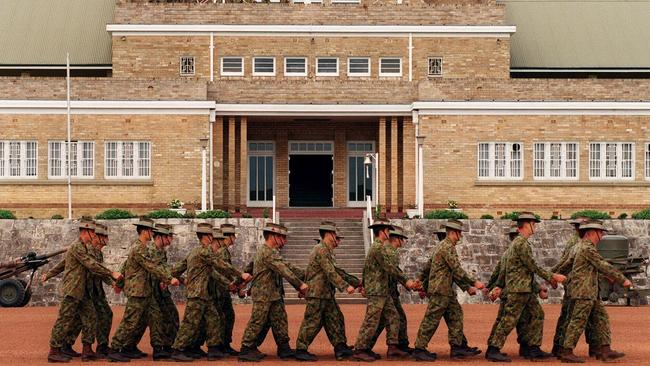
130	330
71	311
265	316
594	339
587	316
196	311
441	306
224	306
321	313
104	316
514	307
402	335
526	334
170	320
162	329
378	307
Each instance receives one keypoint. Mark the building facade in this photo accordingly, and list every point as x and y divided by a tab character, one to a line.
293	100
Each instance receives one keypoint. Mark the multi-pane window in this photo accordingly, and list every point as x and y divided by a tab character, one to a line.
555	160
260	171
18	159
264	66
390	66
360	176
295	66
500	160
187	66
82	159
127	159
435	66
232	66
359	66
647	160
611	160
327	66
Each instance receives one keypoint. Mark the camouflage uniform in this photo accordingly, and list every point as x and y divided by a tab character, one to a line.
323	276
267	292
442	271
221	296
378	269
519	272
76	302
563	319
586	310
139	267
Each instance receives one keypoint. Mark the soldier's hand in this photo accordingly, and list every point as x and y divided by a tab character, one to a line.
422	294
175	282
485	291
495	294
162	285
471	290
304	288
627	284
543	293
479	285
232	287
558	277
350	290
246	277
241	293
117	276
44	278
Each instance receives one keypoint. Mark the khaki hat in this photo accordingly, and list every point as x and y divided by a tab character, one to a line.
398	231
274	228
380	222
513	230
592	224
527	216
166	227
217	234
228	229
578	220
204	228
145	222
454	225
161	229
101	229
329	226
317	240
87	222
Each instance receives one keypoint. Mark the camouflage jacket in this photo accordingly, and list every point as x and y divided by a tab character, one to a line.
393	281
139	268
268	270
322	275
444	269
218	286
78	263
498	279
566	254
160	256
378	268
201	262
587	264
520	267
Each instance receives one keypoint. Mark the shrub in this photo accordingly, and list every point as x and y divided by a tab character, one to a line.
189	214
115	214
164	214
265	213
622	216
513	215
246	215
487	217
555	217
215	214
57	217
444	214
7	215
642	215
591	214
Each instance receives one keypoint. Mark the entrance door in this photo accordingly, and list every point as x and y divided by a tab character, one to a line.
310	180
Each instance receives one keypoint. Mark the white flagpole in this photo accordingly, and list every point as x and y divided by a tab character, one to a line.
68	149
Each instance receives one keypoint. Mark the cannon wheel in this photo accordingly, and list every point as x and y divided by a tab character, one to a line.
28	294
12	293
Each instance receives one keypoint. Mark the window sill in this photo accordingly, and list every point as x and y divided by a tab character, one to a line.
84	182
561	184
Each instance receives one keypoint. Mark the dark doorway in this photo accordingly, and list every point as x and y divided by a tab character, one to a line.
310	180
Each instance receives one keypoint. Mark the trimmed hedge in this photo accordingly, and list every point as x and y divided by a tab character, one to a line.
445	214
115	214
622	216
7	215
57	217
487	217
215	214
591	214
642	215
164	214
513	215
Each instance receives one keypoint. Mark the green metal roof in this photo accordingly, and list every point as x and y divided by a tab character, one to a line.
40	32
579	34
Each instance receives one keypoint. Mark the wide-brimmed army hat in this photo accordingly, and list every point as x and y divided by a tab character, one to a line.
274	228
217	234
592	225
228	229
87	222
317	240
398	231
169	228
161	229
513	230
331	227
145	222
454	225
578	220
527	216
101	229
380	222
204	228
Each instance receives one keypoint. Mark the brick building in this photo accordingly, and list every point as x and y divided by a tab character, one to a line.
288	100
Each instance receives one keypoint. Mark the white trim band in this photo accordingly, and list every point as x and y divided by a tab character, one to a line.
532	108
313	109
105	107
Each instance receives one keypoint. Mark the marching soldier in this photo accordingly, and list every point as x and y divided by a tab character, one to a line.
585	309
79	263
223	298
266	289
378	268
520	268
443	270
323	277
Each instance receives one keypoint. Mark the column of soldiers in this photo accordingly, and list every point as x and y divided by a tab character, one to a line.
210	278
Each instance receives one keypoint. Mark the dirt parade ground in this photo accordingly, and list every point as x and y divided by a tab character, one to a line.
25	334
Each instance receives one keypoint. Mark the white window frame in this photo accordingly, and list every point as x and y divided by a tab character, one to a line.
429	74
508	160
619	161
256	73
390	74
307	143
365	74
79	147
307	2
347	170
563	160
318	73
304	73
346	1
181	59
647	160
231	73
259	203
4	155
136	160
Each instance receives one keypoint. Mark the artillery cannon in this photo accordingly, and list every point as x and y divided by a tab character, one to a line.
615	249
16	292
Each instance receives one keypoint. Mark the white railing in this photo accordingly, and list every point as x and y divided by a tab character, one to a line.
367	221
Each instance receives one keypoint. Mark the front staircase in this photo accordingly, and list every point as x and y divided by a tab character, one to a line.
350	255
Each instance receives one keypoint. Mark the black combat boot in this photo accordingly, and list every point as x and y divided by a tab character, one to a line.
556	351
524	350
395	352
196	352
180	356
342	352
160	353
250	355
56	356
88	354
423	355
460	352
215	353
137	351
607	354
67	350
363	355
493	354
474	350
285	352
116	356
305	356
229	350
374	354
405	347
536	354
567	356
102	351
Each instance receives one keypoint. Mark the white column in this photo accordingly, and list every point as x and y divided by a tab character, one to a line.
203	180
